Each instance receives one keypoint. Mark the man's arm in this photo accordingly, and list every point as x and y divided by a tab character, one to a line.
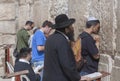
40	48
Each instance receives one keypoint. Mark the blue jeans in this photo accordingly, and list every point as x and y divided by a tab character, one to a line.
39	63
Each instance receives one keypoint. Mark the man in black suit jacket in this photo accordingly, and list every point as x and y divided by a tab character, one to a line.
59	63
24	64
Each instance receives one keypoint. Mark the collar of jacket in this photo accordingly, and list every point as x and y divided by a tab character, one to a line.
63	35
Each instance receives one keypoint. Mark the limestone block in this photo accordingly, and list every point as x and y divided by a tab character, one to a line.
22	2
23	15
106	19
78	9
7	27
29	1
7	1
2	53
117	61
40	12
115	75
118	27
0	39
106	60
8	39
104	67
8	11
58	7
105	64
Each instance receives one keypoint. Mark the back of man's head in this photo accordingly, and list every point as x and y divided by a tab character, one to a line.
47	23
30	23
24	52
92	21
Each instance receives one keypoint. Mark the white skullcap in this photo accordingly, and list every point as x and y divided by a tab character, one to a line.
92	18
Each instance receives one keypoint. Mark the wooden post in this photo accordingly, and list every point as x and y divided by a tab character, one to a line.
7	58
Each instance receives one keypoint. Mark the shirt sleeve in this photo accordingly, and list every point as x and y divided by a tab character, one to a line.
40	39
67	61
91	47
26	37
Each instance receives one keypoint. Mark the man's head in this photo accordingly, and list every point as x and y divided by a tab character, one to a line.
29	25
25	53
93	24
47	26
64	24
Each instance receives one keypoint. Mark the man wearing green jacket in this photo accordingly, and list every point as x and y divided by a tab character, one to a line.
23	35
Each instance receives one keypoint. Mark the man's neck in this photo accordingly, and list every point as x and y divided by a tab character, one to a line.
88	31
25	27
42	29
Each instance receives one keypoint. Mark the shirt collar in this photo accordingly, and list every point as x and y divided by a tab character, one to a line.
41	31
25	61
63	35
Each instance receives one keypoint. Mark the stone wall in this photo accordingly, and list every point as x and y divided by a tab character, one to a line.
14	14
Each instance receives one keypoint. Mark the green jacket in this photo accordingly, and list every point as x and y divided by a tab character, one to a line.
22	39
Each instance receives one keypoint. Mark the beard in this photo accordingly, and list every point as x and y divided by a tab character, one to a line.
70	35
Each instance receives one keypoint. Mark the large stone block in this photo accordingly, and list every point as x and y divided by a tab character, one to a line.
106	64
8	39
115	75
104	67
7	1
23	2
118	27
117	61
106	60
40	11
7	27
78	9
0	39
23	15
106	19
8	11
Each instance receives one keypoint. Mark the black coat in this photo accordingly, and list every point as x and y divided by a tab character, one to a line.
20	66
59	64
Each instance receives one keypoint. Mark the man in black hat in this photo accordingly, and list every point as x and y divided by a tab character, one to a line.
59	63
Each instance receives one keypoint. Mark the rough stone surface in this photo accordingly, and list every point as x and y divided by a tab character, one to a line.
7	1
23	15
115	76
7	11
118	27
40	12
106	17
117	61
104	67
79	13
8	39
8	27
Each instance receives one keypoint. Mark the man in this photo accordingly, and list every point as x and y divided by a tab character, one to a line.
89	49
23	64
38	43
23	35
59	64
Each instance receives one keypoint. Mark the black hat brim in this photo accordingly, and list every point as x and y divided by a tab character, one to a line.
64	24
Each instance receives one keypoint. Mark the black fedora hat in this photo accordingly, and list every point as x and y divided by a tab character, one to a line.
62	21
